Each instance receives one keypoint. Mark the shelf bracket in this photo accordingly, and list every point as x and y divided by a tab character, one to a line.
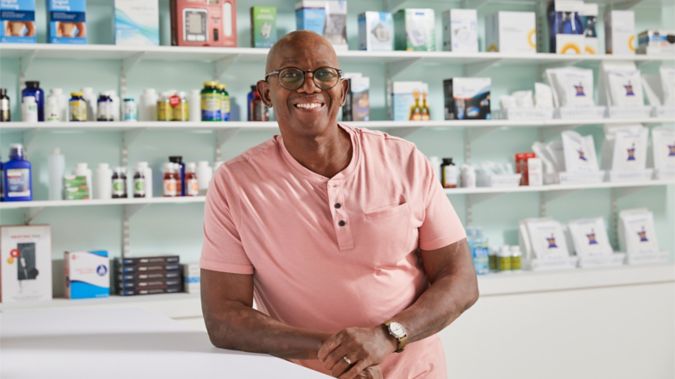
128	137
478	68
221	65
32	213
129	212
395	68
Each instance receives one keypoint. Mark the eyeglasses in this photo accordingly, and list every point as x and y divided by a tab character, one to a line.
293	78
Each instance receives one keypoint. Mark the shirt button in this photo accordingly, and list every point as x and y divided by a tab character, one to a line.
342	223
338	205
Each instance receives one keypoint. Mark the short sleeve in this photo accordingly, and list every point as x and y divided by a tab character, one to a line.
222	249
441	225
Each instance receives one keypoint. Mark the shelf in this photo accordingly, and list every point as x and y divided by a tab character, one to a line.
83	203
272	126
557	187
616	4
248	54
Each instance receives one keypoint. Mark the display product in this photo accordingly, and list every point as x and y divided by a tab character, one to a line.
656	42
376	31
625	148
33	90
573	87
18	21
5	106
103	182
579	152
620	31
511	32
415	30
564	33
357	103
29	109
589	18
546	238
148	275
449	173
467	98
191	277
204	23
17	176
589	237
25	263
136	22
663	148
324	17
405	100
57	169
623	84
87	274
460	30
637	234
263	26
67	21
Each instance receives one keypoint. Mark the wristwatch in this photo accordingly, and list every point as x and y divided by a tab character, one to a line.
397	331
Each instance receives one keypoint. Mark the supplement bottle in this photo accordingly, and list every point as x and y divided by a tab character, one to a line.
180	170
129	109
119	183
5	106
191	182
225	103
179	107
17	172
164	107
449	173
504	259
29	109
105	108
170	180
516	258
33	90
139	182
211	102
78	107
57	169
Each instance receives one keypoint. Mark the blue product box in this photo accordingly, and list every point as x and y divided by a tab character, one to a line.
310	15
87	274
67	21
18	21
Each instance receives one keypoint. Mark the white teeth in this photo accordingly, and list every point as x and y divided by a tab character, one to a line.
308	105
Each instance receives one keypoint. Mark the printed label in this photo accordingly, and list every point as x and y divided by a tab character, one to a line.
118	187
211	107
192	187
170	187
139	187
18	182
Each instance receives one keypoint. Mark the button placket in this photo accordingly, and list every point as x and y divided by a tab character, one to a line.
341	222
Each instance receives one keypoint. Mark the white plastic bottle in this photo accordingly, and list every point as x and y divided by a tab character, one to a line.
91	100
103	182
29	109
147	174
57	170
115	104
147	110
63	103
195	108
436	164
52	109
204	173
468	176
82	170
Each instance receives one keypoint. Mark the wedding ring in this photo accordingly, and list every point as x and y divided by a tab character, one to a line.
347	360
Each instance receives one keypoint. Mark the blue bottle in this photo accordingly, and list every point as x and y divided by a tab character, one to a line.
33	89
17	176
480	250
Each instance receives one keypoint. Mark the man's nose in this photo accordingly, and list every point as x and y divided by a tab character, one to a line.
309	86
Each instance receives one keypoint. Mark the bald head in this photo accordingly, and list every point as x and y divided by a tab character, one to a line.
295	45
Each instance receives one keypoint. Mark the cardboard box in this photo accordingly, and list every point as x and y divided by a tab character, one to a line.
263	26
18	21
656	42
511	32
376	31
562	29
620	32
87	274
25	263
324	17
467	98
204	23
460	30
357	104
589	18
415	30
191	277
136	22
404	97
67	21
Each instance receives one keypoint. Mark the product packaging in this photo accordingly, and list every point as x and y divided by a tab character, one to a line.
192	277
415	30
589	18
637	234
148	275
263	26
622	84
67	20
136	22
589	237
620	31
573	87
545	238
324	17
511	32
663	150
204	23
625	148
75	187
376	31
357	104
405	100
656	42
310	15
543	96
467	98
579	152
87	274
18	21
25	263
460	30
564	33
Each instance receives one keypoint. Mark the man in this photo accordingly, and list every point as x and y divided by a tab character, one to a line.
353	252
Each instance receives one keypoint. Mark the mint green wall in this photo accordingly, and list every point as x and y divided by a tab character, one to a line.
177	228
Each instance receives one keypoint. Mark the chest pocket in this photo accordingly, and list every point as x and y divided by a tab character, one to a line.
383	236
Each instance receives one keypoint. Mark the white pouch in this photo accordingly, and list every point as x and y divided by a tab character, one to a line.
663	148
636	232
547	238
574	86
625	148
579	152
625	88
667	75
589	237
543	97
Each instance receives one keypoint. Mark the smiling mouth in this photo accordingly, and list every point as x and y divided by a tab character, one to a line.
309	106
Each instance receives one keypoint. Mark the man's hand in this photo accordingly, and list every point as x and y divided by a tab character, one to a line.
372	372
350	352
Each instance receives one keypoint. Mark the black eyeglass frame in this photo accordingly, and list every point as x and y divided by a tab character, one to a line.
304	76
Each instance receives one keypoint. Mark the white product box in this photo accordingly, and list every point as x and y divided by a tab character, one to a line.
191	277
620	32
637	234
589	237
512	32
25	263
460	30
589	15
136	22
415	29
87	274
376	31
401	97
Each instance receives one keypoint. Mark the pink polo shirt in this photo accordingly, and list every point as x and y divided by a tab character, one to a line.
327	254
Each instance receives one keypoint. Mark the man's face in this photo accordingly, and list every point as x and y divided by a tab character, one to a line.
308	110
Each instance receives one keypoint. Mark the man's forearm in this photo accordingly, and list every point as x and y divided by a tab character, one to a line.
240	327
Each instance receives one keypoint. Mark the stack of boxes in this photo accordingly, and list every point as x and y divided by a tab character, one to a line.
148	275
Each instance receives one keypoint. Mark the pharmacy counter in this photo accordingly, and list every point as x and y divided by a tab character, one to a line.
122	342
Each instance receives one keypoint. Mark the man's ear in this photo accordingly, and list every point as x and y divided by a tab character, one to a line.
264	91
344	83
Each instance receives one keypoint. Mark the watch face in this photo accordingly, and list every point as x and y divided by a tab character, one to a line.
397	330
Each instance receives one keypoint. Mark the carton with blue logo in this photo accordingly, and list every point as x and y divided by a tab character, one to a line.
67	21
87	274
18	21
